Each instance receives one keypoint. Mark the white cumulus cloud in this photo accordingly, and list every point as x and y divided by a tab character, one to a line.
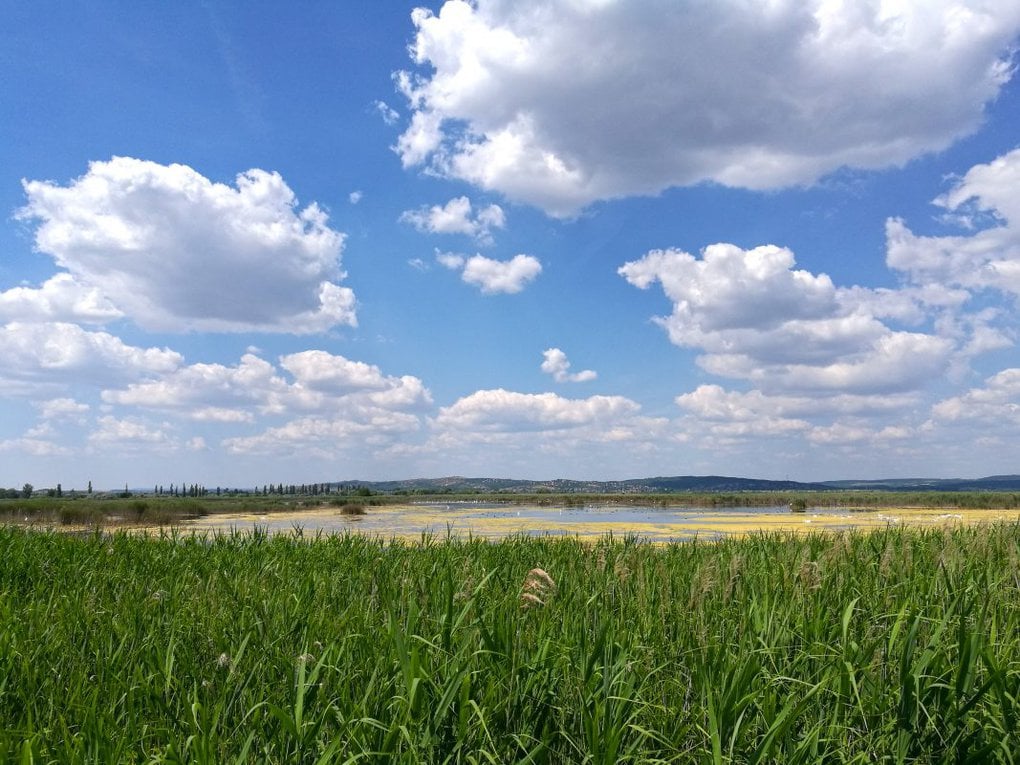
985	198
329	404
457	217
323	383
756	318
175	251
555	363
494	276
728	416
748	94
325	438
59	353
206	392
62	409
60	298
502	410
132	434
713	402
508	431
996	404
36	447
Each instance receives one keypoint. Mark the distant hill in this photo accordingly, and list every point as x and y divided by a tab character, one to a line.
990	483
679	484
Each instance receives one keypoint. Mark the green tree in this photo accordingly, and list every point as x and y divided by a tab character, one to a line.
26	490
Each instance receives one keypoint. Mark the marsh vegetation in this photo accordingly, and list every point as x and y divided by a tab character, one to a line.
892	646
163	510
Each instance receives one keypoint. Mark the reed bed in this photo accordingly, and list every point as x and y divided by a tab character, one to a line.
893	646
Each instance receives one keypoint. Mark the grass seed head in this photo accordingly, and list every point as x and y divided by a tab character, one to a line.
621	570
541	578
537	588
810	575
530	600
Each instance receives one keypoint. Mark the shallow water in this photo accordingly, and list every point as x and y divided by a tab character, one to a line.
654	524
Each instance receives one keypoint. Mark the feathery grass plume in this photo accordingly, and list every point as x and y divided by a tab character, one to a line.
537	588
810	575
529	599
541	579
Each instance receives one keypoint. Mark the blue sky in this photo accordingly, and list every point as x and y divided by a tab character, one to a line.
257	242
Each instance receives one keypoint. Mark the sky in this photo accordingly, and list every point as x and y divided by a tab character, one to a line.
253	242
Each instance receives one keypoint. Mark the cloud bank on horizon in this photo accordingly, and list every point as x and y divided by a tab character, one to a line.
845	303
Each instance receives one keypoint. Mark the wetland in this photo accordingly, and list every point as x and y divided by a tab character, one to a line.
659	524
612	629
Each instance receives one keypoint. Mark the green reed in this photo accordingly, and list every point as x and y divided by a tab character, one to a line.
894	646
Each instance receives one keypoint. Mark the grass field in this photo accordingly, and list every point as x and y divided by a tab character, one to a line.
892	646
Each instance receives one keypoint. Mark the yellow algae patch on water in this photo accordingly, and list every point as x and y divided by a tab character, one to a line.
465	520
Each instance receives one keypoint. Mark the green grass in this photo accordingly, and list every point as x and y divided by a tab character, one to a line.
894	646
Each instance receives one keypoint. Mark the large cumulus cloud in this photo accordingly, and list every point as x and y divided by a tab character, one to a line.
175	251
757	318
560	103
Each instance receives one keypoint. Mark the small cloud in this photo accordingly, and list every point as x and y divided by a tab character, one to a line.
61	409
455	217
557	365
450	260
355	196
418	264
132	434
387	112
493	276
35	447
42	430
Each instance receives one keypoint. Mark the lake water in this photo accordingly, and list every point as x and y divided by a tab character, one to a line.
656	524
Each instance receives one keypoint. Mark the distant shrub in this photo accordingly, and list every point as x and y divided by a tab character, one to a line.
80	516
